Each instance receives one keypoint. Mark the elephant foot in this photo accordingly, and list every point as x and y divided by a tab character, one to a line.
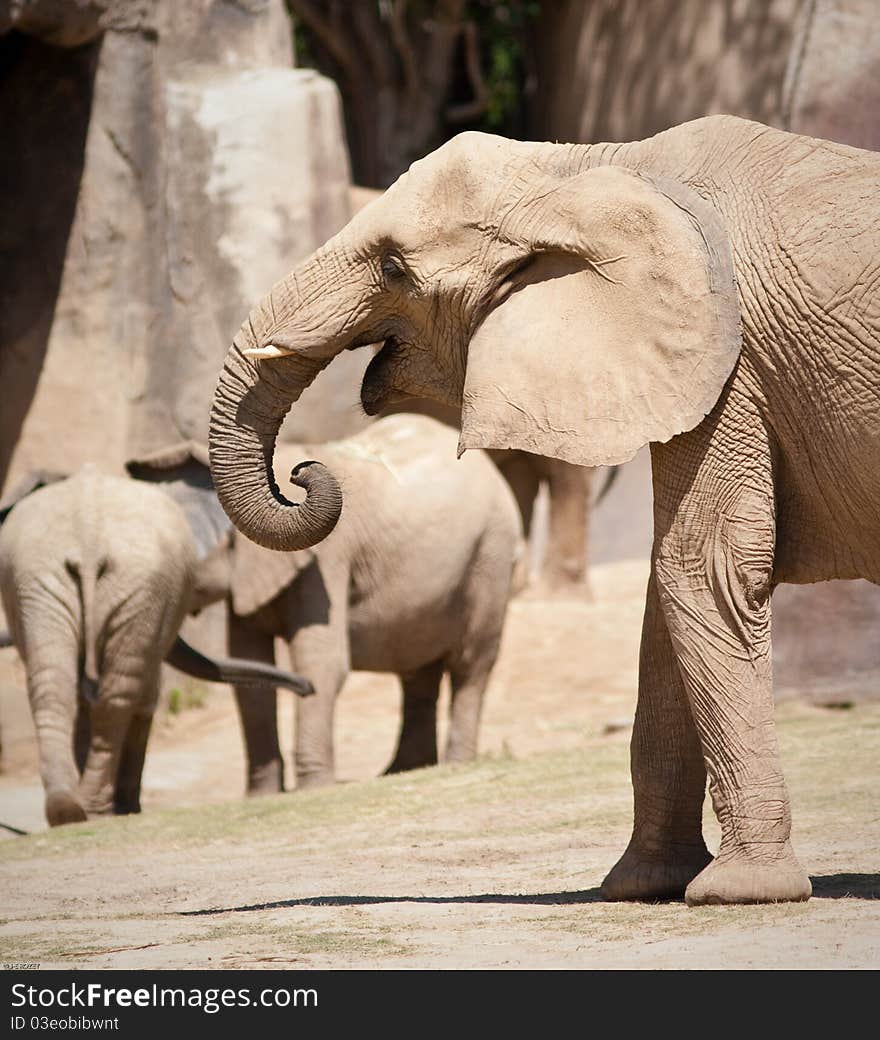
310	780
647	877
751	875
458	753
267	779
62	807
404	763
127	806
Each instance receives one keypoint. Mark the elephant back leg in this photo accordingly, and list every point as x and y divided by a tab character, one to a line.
52	680
127	796
417	743
520	471
111	718
257	709
137	635
470	664
569	489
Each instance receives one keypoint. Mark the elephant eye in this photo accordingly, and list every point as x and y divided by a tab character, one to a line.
392	268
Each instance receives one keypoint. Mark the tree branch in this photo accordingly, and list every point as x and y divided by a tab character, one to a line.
403	46
331	39
480	100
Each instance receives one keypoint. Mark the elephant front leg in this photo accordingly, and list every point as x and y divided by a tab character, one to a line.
257	710
319	650
313	745
714	576
666	850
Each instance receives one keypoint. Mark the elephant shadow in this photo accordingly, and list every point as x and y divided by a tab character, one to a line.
825	886
590	895
846	886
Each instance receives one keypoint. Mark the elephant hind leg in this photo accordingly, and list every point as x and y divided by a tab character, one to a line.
417	743
127	796
570	489
63	807
52	690
111	720
470	665
469	682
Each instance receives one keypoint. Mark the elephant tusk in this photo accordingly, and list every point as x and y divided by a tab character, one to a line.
267	353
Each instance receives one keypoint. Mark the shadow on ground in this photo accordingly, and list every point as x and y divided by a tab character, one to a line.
590	895
825	886
846	886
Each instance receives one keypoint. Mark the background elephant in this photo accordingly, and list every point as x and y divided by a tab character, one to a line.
708	291
414	580
96	575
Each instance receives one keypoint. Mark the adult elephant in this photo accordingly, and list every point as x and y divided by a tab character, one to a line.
711	291
97	573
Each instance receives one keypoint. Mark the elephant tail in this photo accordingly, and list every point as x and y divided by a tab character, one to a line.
234	670
610	477
519	580
86	576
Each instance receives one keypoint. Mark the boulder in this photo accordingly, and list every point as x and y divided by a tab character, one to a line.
168	166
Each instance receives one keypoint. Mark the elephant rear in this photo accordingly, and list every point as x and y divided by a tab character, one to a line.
88	567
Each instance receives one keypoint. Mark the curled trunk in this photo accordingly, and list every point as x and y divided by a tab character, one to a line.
250	403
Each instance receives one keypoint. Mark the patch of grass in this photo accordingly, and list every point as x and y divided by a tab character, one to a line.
182	700
651	922
297	941
42	946
591	776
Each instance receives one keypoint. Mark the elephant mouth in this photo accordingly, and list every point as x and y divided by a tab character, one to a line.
377	391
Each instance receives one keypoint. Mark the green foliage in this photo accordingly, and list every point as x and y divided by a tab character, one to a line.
504	27
180	700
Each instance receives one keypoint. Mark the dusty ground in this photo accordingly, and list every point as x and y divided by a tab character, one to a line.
495	864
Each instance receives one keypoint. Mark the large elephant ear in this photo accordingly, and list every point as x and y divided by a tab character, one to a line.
622	330
259	574
183	473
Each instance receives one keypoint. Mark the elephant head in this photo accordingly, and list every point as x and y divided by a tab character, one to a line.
566	307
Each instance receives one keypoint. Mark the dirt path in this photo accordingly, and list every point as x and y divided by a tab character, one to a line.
495	864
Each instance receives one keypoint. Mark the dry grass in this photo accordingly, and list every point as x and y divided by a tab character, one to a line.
491	864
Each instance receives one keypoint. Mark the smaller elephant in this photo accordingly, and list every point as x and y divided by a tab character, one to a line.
571	499
96	574
415	580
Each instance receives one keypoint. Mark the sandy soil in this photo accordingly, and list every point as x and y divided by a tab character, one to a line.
495	864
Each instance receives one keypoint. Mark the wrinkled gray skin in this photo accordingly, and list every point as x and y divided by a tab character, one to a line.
711	291
414	580
96	575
